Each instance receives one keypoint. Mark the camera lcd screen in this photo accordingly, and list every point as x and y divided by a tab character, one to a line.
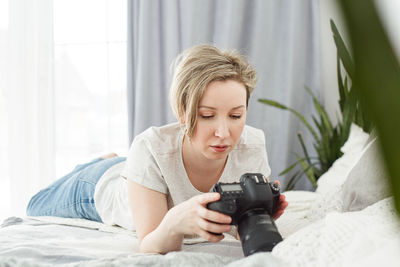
231	187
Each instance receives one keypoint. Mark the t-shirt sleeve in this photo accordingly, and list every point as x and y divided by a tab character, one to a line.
141	166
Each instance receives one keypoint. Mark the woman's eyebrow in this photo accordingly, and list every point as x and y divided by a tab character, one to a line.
208	107
241	106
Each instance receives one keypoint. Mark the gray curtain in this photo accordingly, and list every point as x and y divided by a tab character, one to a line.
280	38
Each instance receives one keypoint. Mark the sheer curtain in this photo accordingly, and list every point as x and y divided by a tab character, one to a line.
28	89
62	91
3	109
281	39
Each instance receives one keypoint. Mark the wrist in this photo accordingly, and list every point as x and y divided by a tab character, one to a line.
170	226
162	240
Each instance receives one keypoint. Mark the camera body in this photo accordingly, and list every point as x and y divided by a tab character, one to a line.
252	192
251	204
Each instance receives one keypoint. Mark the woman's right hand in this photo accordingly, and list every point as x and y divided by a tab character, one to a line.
193	218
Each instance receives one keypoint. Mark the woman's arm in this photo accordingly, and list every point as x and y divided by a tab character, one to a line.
161	230
148	208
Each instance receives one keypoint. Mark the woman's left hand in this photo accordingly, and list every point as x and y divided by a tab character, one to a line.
281	206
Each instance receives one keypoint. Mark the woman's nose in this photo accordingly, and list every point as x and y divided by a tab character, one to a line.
222	130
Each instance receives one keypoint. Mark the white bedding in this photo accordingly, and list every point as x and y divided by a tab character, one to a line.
52	240
364	238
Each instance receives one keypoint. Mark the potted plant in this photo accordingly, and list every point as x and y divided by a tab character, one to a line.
327	138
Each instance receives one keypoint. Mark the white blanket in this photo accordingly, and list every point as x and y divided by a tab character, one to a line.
363	238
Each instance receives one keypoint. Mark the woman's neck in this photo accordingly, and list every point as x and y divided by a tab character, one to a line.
203	173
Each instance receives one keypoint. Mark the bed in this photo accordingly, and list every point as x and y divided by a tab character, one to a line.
349	220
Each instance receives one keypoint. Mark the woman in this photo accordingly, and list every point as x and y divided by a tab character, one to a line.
170	169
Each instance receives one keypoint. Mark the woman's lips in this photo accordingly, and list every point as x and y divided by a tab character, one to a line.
220	149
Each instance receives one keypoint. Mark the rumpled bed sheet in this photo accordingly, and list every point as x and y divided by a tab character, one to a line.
49	241
370	237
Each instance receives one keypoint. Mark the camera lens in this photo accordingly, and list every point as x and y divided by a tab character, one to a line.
257	232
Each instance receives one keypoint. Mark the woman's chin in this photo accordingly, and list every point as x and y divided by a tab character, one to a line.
217	155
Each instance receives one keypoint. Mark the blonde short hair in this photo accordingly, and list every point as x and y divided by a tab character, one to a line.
198	66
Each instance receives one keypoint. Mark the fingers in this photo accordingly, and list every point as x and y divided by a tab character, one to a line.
278	214
282	202
211	237
206	198
211	215
214	227
214	216
281	207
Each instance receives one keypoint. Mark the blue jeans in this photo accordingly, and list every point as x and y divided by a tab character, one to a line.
72	196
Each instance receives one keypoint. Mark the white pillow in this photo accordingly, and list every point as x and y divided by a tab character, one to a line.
366	183
339	170
356	140
329	197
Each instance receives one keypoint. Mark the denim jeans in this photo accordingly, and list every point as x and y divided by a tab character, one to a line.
72	196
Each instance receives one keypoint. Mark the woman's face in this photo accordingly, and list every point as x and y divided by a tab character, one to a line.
221	118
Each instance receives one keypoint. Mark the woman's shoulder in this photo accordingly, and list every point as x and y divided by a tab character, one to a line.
157	131
161	139
252	136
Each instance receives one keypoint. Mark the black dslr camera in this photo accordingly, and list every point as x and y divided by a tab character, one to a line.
251	204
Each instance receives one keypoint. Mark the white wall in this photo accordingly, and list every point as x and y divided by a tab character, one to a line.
330	10
389	11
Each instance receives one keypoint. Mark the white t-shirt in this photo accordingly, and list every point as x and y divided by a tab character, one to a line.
155	161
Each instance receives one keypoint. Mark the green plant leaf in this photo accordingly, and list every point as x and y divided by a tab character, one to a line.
273	103
293	180
288	169
297	114
308	169
346	86
321	111
342	51
342	90
349	110
303	146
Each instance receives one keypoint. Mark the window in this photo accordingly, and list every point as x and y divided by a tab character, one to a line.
70	81
4	182
90	80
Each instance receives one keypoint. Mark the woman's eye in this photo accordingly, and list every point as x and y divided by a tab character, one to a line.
206	116
236	117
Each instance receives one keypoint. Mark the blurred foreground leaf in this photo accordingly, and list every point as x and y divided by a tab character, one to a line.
377	79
